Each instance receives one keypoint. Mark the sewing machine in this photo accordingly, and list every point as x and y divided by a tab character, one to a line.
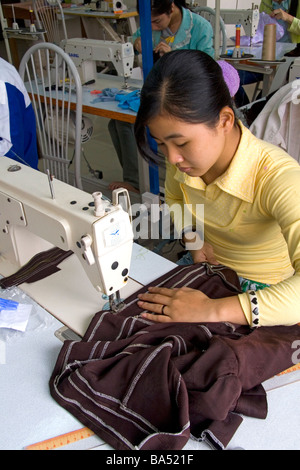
85	52
115	6
37	213
294	73
249	19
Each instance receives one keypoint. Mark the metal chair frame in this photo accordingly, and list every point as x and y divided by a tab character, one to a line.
53	82
49	14
208	13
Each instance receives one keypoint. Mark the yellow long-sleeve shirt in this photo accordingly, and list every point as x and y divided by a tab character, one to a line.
252	220
295	27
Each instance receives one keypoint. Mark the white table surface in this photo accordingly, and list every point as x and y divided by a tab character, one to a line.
86	10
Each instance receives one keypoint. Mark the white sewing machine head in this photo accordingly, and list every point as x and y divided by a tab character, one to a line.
86	52
248	18
115	6
32	220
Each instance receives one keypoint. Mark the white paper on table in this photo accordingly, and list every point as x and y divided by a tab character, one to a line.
16	319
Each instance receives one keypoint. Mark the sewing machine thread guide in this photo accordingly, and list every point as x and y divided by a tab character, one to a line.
50	179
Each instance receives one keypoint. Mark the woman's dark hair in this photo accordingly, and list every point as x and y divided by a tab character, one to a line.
161	7
185	84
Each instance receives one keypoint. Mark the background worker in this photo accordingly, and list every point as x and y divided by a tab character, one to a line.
290	7
292	18
173	27
176	27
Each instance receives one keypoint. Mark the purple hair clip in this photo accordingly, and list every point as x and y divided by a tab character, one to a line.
231	77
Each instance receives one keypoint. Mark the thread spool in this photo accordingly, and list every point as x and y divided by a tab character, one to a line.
32	25
238	35
237	50
31	16
269	43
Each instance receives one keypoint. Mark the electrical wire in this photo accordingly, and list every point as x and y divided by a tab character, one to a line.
15	154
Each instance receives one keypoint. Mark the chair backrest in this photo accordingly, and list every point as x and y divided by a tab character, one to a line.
53	82
210	15
50	17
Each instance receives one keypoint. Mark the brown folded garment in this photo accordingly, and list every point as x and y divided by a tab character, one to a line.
40	266
141	385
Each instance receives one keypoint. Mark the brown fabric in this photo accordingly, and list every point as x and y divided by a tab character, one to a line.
40	266
142	385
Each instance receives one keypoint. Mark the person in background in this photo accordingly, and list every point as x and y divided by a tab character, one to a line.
291	18
269	6
17	120
176	27
250	223
288	6
173	27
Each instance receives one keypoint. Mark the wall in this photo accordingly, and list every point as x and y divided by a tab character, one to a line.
236	4
210	3
130	3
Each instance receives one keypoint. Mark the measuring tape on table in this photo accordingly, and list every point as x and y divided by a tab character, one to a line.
62	440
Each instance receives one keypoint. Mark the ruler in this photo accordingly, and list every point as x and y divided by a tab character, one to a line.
62	440
291	369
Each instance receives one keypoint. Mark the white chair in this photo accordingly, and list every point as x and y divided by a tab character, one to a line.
50	17
53	82
210	15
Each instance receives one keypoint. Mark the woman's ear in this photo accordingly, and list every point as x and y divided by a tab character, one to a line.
227	119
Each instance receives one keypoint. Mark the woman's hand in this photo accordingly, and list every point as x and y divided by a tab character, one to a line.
175	305
138	45
205	254
162	48
282	15
189	305
201	251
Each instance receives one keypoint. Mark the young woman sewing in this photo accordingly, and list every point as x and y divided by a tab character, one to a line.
292	19
250	190
288	9
176	27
